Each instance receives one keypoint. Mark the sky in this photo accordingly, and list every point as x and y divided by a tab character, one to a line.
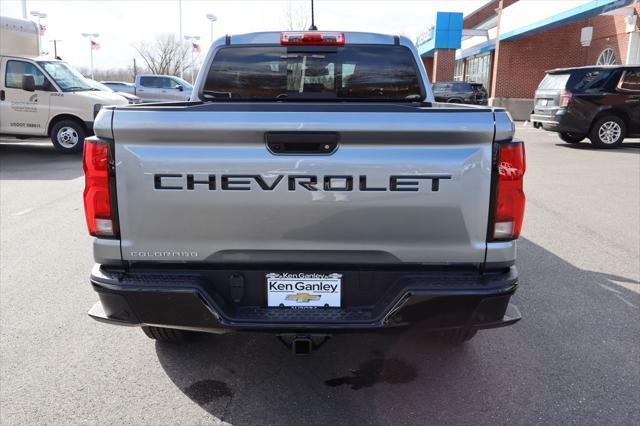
121	23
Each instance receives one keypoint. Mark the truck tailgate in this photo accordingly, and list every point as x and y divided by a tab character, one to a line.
200	184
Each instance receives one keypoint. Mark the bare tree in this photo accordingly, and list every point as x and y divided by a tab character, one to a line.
296	16
113	74
162	55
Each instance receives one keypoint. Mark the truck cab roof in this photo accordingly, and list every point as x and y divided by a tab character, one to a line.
350	37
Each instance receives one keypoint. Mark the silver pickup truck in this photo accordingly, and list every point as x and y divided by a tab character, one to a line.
310	186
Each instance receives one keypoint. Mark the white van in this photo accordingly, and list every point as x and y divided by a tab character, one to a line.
41	96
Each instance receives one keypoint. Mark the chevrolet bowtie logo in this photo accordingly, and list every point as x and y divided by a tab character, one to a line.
303	297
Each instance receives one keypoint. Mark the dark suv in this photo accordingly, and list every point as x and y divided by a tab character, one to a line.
598	102
461	92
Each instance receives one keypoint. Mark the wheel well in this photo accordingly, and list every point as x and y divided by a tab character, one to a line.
618	113
455	100
61	117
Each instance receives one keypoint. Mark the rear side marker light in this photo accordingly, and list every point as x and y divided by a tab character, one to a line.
327	38
97	197
510	198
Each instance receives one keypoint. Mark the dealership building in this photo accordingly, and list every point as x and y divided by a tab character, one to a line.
507	45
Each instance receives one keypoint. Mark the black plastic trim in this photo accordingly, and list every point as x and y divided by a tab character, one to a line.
185	300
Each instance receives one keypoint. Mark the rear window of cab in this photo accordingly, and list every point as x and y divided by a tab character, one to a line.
356	72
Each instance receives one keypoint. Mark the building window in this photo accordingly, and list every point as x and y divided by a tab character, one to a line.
607	57
477	69
458	74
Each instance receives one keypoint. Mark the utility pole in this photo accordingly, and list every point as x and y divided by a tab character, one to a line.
496	55
180	40
24	10
55	47
135	69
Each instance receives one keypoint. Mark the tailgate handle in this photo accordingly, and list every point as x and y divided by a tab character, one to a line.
306	143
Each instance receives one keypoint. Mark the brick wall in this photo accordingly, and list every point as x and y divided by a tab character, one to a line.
444	64
523	62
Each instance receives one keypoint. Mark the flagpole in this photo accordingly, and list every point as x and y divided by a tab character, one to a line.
192	63
181	40
91	37
91	48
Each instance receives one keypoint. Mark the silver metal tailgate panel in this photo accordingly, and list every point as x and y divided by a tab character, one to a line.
427	227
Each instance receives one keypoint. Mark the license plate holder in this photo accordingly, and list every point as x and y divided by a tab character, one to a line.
304	290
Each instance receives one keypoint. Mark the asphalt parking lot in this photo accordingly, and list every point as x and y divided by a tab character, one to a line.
574	358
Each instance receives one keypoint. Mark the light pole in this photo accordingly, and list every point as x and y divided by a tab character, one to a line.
211	17
91	36
39	15
190	39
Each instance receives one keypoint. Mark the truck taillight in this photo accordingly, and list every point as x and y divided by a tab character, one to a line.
312	38
97	195
565	98
510	199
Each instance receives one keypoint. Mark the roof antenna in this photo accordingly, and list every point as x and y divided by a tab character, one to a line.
313	25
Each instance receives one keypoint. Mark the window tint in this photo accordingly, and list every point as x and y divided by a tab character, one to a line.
441	87
166	82
349	72
461	87
149	82
631	81
593	81
554	81
17	69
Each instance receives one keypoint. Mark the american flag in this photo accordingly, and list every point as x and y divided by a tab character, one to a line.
195	47
95	45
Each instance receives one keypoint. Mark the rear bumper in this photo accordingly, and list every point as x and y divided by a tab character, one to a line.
563	121
547	122
191	301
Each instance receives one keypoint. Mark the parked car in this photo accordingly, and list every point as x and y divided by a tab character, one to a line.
289	198
598	102
42	97
132	99
162	88
461	92
121	86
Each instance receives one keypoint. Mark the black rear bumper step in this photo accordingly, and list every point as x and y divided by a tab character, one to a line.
192	301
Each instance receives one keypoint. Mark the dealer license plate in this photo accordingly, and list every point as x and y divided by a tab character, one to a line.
303	290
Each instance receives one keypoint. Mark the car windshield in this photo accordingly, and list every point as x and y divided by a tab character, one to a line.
554	81
66	77
345	73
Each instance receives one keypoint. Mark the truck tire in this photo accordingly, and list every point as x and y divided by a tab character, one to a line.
68	136
608	132
571	137
163	334
456	336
